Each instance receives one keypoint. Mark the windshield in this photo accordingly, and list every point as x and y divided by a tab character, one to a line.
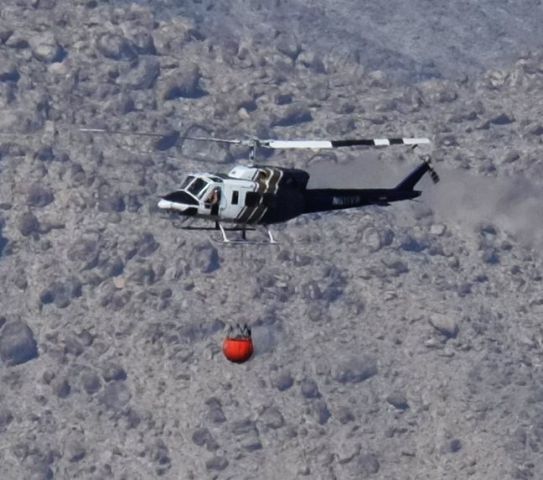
186	182
180	197
197	187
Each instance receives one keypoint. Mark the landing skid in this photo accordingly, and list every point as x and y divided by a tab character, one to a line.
187	224
243	241
228	229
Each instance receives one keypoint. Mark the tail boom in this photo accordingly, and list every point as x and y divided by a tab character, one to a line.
321	200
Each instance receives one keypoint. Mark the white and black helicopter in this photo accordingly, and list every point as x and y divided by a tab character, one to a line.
260	195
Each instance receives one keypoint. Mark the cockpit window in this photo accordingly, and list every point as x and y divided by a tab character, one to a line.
186	182
180	197
197	186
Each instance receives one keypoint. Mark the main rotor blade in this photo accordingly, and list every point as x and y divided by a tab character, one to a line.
218	140
274	144
318	144
166	134
123	132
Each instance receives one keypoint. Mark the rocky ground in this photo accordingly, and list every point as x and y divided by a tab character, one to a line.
390	343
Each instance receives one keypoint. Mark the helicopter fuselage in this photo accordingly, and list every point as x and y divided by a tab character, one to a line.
246	196
253	195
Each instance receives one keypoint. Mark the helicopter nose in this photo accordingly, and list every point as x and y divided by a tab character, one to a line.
164	204
176	207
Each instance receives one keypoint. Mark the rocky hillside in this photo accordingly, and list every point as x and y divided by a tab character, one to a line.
390	343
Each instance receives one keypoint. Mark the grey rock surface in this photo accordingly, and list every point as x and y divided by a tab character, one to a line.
400	342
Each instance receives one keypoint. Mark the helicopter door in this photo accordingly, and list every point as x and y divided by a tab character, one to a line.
232	201
213	200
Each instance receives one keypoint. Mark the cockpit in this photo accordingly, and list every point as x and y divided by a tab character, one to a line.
197	186
195	190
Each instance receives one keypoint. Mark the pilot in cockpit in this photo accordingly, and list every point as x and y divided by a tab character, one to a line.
214	199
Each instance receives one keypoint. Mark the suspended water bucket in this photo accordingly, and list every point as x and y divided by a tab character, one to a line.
238	344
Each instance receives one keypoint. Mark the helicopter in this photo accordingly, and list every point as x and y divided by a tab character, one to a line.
255	195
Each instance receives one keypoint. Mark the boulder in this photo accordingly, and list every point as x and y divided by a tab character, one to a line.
206	258
321	411
17	39
8	71
282	381
28	224
282	98
490	256
75	451
216	463
115	47
502	119
146	244
113	372
311	291
215	412
159	453
272	418
142	41
371	238
46	48
368	464
344	414
444	324
173	34
6	418
39	195
248	434
19	280
61	388
203	437
143	75
395	266
91	383
289	46
437	91
61	293
398	400
84	251
356	369
309	388
410	243
294	114
17	343
347	450
312	61
116	395
182	84
5	33
111	201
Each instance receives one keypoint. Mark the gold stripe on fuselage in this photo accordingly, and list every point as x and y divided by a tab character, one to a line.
267	183
245	211
273	187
